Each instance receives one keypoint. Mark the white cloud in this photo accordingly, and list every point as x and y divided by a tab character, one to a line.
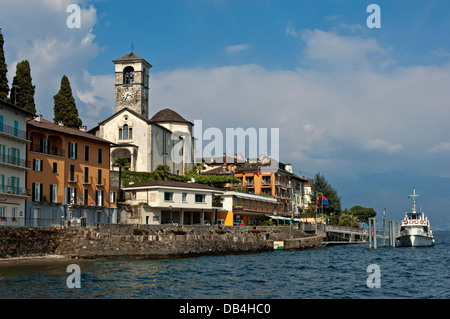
40	35
237	48
324	114
442	147
381	145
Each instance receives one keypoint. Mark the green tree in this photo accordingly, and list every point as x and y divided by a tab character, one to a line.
362	213
4	88
321	186
22	89
65	109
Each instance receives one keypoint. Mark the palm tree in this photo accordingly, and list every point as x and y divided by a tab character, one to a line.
121	162
162	172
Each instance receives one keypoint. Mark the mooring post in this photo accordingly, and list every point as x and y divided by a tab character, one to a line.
374	233
370	232
384	227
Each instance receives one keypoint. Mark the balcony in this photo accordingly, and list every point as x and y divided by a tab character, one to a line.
249	182
14	161
12	132
266	182
48	198
101	182
13	190
39	148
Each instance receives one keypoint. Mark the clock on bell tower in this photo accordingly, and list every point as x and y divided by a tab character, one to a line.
131	84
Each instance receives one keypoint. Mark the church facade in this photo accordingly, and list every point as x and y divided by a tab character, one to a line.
164	139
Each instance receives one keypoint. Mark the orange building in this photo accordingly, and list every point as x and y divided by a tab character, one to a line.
69	176
272	180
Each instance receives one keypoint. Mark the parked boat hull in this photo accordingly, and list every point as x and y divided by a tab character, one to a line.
414	240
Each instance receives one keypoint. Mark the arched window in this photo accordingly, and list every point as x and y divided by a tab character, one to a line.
128	75
125	132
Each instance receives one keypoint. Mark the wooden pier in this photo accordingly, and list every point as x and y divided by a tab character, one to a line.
349	235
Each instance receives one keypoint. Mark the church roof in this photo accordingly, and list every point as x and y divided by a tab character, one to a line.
131	57
168	115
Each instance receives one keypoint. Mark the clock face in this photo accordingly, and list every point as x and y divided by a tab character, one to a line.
127	95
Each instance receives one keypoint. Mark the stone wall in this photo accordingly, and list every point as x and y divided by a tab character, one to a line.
141	241
27	241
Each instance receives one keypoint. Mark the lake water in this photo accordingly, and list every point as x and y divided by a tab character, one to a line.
334	272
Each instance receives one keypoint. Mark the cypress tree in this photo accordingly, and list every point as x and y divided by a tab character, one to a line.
4	88
23	94
65	109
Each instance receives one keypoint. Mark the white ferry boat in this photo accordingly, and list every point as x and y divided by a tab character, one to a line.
415	230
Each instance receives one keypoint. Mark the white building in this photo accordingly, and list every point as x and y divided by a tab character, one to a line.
160	202
165	139
13	164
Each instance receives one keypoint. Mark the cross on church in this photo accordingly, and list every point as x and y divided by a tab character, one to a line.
132	47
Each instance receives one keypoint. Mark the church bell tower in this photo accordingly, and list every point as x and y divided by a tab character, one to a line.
131	84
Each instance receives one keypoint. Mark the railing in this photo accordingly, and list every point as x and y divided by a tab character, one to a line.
39	148
14	160
266	182
13	190
4	128
47	198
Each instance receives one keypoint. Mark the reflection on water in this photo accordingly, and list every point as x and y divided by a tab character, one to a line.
331	272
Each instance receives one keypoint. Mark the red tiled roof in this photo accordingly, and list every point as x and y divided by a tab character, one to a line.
47	125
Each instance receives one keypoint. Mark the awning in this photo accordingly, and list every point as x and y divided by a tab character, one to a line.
278	217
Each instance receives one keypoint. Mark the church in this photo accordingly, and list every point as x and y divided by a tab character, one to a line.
164	139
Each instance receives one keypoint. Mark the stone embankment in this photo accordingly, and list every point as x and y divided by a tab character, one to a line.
143	241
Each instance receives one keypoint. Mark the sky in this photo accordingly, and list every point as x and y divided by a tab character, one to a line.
348	99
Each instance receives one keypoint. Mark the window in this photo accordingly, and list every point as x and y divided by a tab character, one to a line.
125	132
72	173
37	192
128	75
55	168
99	177
86	197
168	196
99	198
53	193
86	174
37	165
72	195
184	197
86	153
199	198
100	155
16	128
13	213
72	150
112	197
2	211
44	146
